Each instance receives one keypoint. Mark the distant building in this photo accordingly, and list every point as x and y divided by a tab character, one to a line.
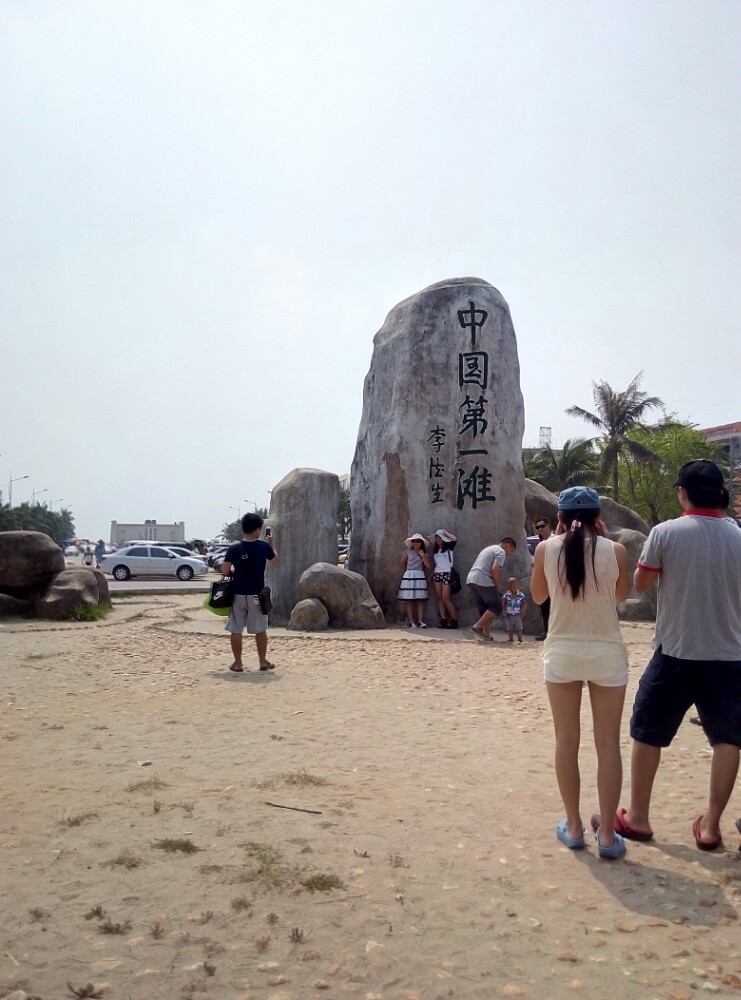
149	531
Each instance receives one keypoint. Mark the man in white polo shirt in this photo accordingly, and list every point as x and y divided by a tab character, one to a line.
697	643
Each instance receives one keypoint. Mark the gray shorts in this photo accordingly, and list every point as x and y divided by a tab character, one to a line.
513	623
486	598
246	613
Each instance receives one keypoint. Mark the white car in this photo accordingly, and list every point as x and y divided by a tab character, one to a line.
151	560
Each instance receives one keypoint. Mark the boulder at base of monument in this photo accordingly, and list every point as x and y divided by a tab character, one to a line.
28	560
303	519
14	606
309	616
346	596
71	589
540	502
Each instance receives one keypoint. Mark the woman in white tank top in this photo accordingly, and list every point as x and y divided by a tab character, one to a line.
585	575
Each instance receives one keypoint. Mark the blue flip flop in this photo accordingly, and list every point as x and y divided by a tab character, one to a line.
574	843
617	850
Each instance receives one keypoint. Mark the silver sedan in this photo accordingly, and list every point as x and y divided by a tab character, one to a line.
151	560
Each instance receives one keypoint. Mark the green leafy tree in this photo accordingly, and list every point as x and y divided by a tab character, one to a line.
576	464
232	532
648	486
617	416
58	525
344	515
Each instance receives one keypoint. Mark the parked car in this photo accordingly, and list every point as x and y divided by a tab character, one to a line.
71	550
214	554
180	550
151	560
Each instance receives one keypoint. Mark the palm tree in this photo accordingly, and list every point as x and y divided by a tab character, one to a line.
574	465
617	414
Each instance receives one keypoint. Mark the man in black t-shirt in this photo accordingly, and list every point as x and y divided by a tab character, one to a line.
245	562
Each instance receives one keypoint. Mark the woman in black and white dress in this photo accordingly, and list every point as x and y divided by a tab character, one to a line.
443	559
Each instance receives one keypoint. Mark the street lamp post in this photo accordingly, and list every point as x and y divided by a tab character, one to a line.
253	502
52	502
10	488
238	510
36	493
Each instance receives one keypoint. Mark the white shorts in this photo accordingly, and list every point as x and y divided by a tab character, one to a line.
568	660
246	613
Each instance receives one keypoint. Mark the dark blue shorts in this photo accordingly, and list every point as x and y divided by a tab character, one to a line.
486	598
670	686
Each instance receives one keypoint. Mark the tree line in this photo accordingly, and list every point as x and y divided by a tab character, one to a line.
58	525
631	460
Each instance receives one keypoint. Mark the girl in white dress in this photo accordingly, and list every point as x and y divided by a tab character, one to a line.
413	588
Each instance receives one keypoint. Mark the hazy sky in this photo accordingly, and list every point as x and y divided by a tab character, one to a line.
208	208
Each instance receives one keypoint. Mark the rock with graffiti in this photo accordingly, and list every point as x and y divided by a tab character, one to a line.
440	439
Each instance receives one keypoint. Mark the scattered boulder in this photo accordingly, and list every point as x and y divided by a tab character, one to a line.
539	502
440	438
71	589
28	560
346	596
309	616
303	519
638	607
616	516
14	606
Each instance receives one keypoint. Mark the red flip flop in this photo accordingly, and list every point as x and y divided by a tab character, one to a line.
705	845
622	826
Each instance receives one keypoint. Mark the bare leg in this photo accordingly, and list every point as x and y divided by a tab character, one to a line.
261	641
420	605
448	603
484	622
519	636
409	608
644	763
565	702
440	601
236	642
607	711
723	773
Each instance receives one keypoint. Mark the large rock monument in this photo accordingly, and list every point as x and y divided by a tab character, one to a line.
440	438
303	519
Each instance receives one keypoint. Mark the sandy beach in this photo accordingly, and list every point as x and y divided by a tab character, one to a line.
374	820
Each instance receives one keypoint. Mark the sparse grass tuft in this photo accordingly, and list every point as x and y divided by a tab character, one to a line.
89	612
271	918
209	968
77	820
241	903
296	936
322	883
157	930
110	928
294	779
146	785
123	860
36	914
398	861
210	869
176	846
96	913
187	807
263	943
269	869
206	916
156	806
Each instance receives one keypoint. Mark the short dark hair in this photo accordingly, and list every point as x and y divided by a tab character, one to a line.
251	522
509	541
